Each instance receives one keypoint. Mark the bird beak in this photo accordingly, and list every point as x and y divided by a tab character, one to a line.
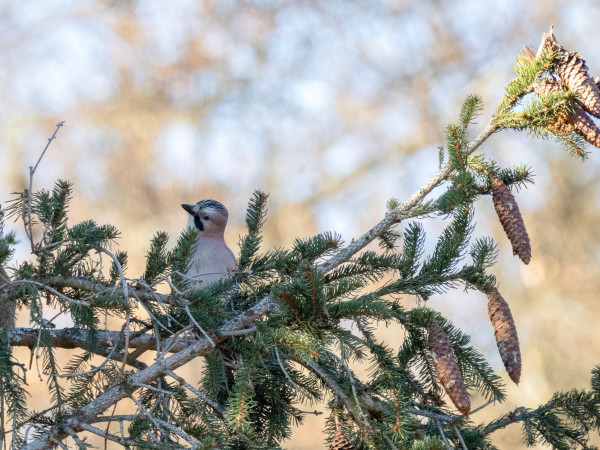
188	208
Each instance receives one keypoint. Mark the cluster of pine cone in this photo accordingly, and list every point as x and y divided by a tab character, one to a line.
572	75
505	331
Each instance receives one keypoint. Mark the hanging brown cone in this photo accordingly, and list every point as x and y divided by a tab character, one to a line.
585	127
578	121
573	73
447	369
340	442
511	220
506	334
561	123
546	86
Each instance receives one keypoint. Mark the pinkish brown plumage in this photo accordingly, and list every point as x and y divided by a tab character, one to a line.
212	259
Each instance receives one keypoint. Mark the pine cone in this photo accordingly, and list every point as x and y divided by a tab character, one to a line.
340	442
511	220
585	127
506	334
447	369
546	86
572	71
578	121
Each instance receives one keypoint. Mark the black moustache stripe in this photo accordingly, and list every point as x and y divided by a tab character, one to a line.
198	222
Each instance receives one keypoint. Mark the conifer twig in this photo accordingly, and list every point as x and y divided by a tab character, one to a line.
119	268
150	373
399	213
87	372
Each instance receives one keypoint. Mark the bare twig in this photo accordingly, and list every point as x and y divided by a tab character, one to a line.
187	310
31	173
517	415
110	437
75	437
147	414
314	413
178	432
460	438
172	341
482	406
119	268
154	319
243	332
120	417
337	390
126	295
432	415
76	338
292	382
52	290
214	405
441	430
155	389
352	383
126	347
37	355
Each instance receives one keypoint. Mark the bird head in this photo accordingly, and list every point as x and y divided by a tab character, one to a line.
209	217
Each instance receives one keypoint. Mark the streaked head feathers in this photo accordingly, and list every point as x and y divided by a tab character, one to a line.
209	217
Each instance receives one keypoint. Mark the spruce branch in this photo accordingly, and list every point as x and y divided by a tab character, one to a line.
403	210
287	305
127	387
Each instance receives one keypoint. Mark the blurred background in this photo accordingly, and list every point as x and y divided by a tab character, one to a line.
331	106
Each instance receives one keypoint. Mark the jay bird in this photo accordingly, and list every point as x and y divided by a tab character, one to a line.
212	259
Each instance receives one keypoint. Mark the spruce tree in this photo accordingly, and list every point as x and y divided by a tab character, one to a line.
287	329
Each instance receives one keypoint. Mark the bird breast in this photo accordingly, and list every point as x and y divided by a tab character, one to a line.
211	262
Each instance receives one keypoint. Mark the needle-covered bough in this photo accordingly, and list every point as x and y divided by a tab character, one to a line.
291	327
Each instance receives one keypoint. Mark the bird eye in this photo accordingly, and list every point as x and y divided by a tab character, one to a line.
207	218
